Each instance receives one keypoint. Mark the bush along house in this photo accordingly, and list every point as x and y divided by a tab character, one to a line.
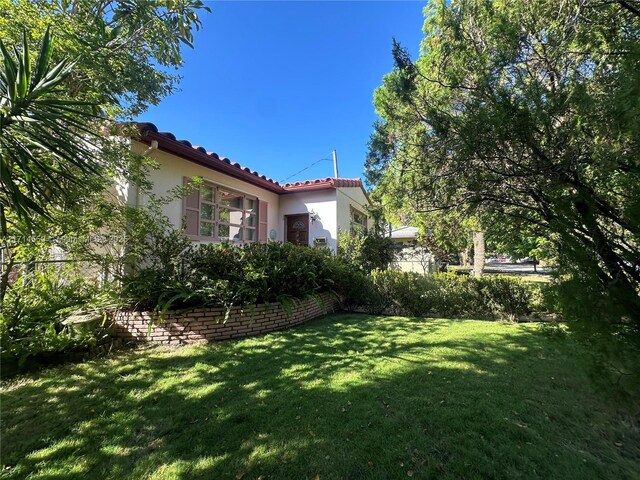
239	205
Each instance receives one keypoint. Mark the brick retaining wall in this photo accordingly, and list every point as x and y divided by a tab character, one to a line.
207	324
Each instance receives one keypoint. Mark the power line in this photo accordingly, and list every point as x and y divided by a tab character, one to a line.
325	159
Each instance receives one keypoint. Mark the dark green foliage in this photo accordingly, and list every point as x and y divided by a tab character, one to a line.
110	60
126	51
444	294
43	133
525	115
366	251
34	309
225	275
357	290
600	322
57	162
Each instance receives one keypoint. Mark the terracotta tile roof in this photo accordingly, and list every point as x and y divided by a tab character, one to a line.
324	184
167	141
328	182
183	148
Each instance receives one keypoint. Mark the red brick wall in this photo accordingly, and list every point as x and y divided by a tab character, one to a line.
207	324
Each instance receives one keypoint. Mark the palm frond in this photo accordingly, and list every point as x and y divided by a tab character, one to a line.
46	139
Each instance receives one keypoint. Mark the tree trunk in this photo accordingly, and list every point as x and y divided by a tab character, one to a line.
464	258
478	253
6	258
7	267
613	264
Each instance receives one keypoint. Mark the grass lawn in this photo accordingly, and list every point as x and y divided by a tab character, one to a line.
347	396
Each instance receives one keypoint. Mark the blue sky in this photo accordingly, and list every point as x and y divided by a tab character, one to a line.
276	86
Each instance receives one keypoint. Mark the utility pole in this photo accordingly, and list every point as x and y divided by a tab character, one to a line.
335	164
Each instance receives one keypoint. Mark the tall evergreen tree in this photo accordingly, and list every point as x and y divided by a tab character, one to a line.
526	113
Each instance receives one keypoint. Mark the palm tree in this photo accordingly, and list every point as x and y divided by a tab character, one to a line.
47	141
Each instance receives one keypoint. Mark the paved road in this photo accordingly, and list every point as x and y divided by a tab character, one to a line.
514	268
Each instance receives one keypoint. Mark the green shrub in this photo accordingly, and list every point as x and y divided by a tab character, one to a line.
177	274
366	251
226	275
357	290
506	296
36	306
443	294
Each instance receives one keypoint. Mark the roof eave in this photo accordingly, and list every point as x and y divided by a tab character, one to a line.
308	188
189	153
366	194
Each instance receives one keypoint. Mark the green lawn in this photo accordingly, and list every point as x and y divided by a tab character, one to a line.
346	396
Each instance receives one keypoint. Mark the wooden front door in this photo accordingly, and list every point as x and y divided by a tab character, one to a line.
298	229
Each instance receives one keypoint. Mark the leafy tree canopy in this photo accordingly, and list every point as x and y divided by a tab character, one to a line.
126	51
525	114
110	60
42	134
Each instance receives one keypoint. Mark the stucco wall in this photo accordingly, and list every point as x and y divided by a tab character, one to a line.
322	202
410	260
170	174
332	206
413	265
347	197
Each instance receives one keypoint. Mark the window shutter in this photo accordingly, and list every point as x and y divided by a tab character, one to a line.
263	208
191	211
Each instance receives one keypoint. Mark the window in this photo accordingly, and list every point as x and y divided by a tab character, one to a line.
320	242
358	221
219	213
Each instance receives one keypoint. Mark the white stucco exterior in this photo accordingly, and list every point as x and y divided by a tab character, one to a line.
329	207
171	171
348	199
410	257
322	203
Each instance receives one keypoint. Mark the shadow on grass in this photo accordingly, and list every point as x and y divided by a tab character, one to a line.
347	396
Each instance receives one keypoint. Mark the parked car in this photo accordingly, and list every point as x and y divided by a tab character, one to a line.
525	260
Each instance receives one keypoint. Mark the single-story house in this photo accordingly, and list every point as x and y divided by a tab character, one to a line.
239	205
410	256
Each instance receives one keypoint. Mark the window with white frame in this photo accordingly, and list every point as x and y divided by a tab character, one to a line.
358	221
227	215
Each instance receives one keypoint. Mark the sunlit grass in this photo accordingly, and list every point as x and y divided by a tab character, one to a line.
347	396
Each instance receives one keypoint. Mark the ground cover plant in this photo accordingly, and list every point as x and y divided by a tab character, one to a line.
347	396
32	320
